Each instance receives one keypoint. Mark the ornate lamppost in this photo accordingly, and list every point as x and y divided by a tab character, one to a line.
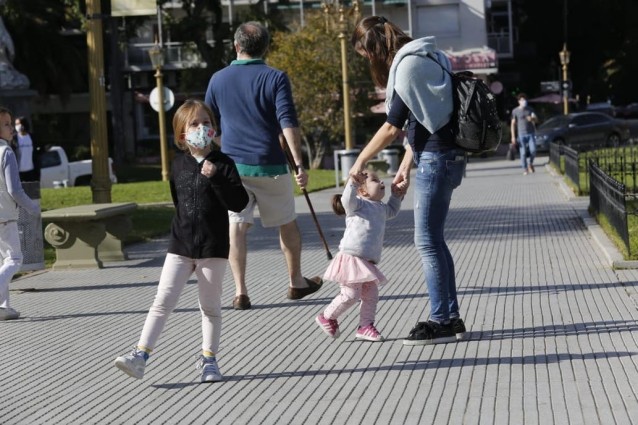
100	182
329	7
564	61
157	59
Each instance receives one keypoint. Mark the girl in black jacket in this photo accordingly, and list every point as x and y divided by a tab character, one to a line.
204	185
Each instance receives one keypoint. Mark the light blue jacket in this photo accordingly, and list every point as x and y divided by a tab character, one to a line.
423	85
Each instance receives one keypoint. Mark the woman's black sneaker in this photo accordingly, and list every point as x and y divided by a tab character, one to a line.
428	333
459	328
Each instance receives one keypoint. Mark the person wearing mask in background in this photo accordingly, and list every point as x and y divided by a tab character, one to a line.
524	121
27	152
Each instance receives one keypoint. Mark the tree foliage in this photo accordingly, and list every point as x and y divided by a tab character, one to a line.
602	36
311	56
198	17
53	62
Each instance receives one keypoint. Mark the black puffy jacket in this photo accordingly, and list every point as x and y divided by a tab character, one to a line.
200	225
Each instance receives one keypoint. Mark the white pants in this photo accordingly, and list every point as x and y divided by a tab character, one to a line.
175	273
11	257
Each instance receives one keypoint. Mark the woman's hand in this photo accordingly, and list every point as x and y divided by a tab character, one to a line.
402	177
399	189
402	181
358	173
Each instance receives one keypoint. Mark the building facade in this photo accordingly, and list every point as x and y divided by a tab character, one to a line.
476	34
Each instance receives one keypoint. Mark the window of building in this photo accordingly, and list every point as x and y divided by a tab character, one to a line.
439	20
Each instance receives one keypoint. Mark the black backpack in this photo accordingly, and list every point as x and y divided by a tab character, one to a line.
475	124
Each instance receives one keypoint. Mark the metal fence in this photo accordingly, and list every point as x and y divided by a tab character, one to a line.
555	152
572	166
607	197
621	163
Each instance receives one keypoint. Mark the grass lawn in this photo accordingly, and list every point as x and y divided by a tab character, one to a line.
632	224
149	220
621	165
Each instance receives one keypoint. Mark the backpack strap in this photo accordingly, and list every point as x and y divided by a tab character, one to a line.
431	56
470	93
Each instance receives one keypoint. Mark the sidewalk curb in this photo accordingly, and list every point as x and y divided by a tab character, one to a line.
581	205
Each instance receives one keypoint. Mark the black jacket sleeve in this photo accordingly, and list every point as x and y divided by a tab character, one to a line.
226	182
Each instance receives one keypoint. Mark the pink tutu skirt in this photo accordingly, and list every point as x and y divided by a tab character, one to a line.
347	269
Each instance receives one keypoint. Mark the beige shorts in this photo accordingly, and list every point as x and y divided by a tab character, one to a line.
274	198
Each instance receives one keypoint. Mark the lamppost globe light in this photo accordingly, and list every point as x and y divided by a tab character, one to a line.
157	56
564	61
564	55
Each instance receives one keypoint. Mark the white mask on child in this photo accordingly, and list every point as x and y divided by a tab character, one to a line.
18	128
522	103
201	137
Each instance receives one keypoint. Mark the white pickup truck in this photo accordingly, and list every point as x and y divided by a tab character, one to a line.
57	171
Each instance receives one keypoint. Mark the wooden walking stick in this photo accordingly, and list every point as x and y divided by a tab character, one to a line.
293	167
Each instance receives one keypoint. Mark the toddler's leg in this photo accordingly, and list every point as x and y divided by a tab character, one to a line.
350	295
369	301
327	321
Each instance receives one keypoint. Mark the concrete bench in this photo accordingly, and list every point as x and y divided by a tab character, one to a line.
86	235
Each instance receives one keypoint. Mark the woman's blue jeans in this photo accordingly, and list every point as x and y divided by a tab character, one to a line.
438	174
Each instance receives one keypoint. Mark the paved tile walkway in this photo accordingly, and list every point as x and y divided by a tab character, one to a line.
552	330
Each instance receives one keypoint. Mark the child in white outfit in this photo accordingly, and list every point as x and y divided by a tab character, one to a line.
11	196
355	266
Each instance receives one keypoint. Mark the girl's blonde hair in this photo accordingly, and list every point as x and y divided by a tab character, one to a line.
183	116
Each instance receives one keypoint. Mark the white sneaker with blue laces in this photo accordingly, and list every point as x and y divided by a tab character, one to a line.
133	364
210	369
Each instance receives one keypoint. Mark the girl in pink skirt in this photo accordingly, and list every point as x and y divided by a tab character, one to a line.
355	266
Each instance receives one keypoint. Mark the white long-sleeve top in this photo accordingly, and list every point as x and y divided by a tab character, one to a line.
365	223
12	194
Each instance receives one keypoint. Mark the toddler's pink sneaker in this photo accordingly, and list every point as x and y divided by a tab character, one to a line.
369	333
329	326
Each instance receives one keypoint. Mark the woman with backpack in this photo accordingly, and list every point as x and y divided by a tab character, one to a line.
419	98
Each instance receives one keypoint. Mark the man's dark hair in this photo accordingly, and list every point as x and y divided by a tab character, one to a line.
521	96
253	39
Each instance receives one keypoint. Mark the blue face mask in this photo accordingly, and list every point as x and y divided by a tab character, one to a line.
201	137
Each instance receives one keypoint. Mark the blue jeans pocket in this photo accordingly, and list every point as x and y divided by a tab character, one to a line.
455	171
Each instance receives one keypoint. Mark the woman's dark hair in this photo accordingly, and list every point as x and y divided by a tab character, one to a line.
337	206
379	40
25	123
253	39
